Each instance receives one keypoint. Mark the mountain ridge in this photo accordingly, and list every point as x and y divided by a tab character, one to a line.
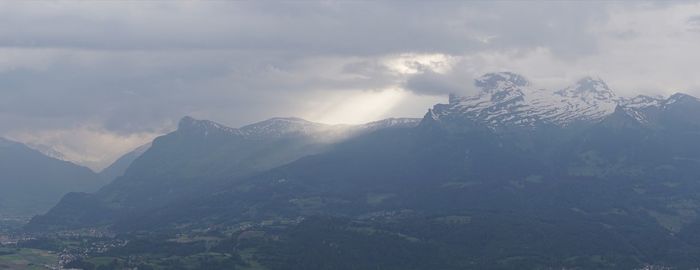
32	182
617	177
507	100
202	155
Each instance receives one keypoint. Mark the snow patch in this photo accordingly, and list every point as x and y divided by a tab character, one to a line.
509	100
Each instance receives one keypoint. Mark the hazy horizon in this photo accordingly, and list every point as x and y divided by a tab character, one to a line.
95	80
263	135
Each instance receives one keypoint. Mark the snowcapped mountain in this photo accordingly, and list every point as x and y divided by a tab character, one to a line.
290	126
281	126
641	101
508	100
389	123
650	111
204	127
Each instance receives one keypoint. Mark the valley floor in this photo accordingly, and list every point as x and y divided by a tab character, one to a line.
24	258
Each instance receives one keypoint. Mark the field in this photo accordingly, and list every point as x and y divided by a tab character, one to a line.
27	259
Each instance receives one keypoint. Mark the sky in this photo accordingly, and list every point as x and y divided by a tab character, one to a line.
93	80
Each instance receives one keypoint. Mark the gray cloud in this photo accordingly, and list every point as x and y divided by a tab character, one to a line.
434	83
129	70
349	28
694	22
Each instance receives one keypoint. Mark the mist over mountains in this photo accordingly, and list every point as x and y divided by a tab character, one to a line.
511	177
349	135
31	182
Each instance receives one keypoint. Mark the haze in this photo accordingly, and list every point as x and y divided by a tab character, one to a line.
93	80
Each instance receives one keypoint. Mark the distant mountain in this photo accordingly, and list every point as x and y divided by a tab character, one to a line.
296	127
511	178
48	151
507	100
616	189
118	167
201	156
31	182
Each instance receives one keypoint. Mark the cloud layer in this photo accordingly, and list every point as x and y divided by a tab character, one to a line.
95	79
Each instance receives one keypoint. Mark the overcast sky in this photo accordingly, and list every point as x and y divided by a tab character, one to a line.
96	79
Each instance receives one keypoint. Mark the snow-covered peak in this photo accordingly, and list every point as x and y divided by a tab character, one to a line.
392	123
640	101
646	109
498	81
280	126
680	97
204	127
588	88
509	100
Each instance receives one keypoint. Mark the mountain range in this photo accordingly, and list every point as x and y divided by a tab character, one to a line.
31	182
512	177
119	166
507	100
202	155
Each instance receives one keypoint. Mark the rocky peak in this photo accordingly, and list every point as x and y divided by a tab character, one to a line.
588	88
680	98
203	127
280	126
392	123
640	101
186	122
495	82
508	100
